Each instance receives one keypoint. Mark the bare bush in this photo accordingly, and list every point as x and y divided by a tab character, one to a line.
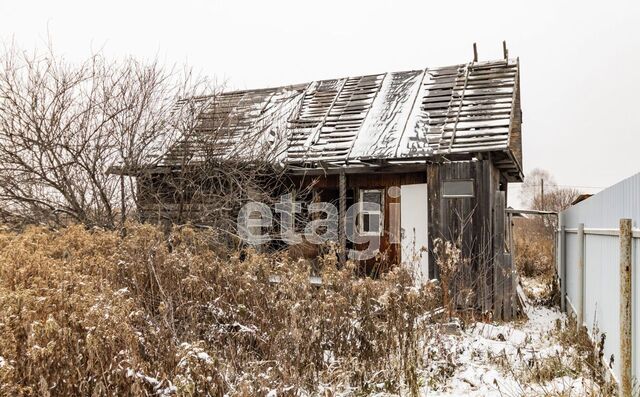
449	260
62	125
227	153
550	197
99	141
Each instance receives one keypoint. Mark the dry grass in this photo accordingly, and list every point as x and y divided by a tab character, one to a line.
535	259
577	359
85	312
534	246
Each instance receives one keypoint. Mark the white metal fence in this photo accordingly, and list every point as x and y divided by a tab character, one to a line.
589	265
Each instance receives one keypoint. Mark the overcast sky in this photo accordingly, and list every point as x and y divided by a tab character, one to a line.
580	63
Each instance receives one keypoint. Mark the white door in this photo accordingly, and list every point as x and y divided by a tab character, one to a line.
413	224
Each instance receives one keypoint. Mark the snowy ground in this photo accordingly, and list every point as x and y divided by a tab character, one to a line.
522	358
519	358
535	289
493	360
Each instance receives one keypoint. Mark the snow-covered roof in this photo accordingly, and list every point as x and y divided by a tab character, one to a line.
396	116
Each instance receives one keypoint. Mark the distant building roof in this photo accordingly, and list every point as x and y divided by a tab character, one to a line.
398	116
580	198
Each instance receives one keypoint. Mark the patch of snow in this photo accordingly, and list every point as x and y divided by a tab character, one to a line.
534	288
387	117
204	357
122	291
328	357
190	351
475	353
501	333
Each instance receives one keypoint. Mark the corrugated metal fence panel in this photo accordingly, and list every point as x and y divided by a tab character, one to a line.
602	265
602	293
571	255
605	209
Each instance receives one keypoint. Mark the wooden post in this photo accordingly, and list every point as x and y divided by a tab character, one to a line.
342	218
499	274
475	52
509	300
512	268
580	302
625	307
123	206
563	265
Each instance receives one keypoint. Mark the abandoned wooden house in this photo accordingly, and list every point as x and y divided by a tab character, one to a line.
440	143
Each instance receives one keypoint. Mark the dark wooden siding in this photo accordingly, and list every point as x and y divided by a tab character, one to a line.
515	134
467	220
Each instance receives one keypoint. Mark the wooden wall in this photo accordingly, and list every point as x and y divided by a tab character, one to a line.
328	188
515	133
467	220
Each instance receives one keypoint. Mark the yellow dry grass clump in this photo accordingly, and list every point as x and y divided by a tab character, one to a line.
85	312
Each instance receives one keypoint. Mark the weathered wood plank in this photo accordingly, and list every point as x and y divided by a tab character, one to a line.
498	254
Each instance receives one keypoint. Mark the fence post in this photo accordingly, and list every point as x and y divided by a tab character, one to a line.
580	302
625	307
563	266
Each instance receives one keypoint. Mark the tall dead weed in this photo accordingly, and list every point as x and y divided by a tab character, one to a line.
85	312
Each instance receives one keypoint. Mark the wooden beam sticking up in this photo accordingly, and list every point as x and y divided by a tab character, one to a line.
505	51
475	53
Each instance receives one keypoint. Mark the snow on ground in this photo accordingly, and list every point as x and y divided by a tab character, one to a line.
535	288
493	360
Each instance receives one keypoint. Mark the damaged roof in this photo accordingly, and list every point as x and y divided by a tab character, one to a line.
367	120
